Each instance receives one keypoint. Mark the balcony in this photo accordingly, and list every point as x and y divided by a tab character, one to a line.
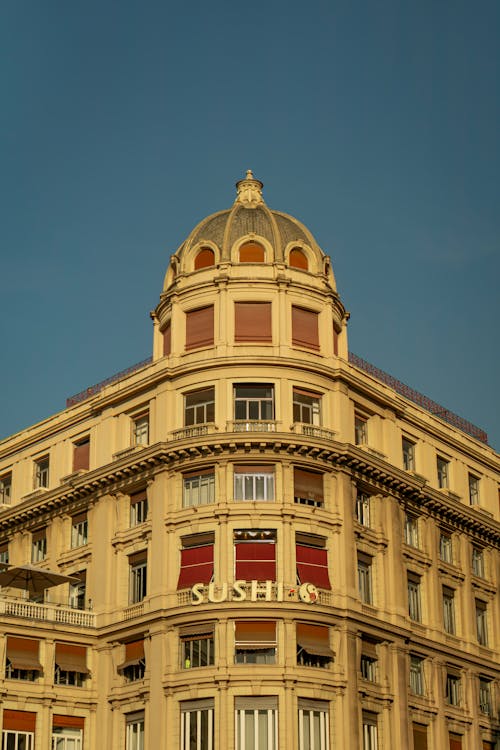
16	607
253	425
311	430
194	431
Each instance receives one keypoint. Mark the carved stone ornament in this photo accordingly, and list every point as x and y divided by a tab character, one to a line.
249	191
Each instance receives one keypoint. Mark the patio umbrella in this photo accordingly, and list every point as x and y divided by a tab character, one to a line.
33	579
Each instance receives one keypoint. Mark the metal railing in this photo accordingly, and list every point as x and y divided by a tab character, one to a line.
93	389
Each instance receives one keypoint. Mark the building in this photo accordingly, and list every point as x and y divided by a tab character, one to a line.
254	540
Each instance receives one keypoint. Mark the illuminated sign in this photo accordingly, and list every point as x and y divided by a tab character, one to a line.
253	591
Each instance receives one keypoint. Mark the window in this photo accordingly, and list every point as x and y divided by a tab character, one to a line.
81	454
455	741
419	732
134	666
414	603
445	547
473	490
254	483
42	472
197	725
253	402
313	645
39	545
453	689
368	668
369	731
138	507
442	472
485	696
18	730
308	487
312	560
255	642
199	407
449	610
481	622
408	455
298	259
411	530
306	407
305	331
167	339
478	562
362	508
67	732
77	590
22	661
79	530
134	726
256	723
138	565
70	665
365	578
417	685
360	430
6	489
200	327
255	554
4	553
140	430
253	322
197	645
197	560
313	725
252	252
205	258
198	488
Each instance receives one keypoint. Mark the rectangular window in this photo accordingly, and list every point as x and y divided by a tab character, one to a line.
473	490
39	545
256	722
134	731
197	725
368	668
417	686
255	642
42	472
419	732
365	578
22	661
67	732
140	430
313	645
138	566
18	730
200	327
197	645
362	508
408	455
453	689
198	488
313	725
414	602
253	402
485	696
312	560
308	487
79	530
449	610
478	562
255	554
253	322
305	331
81	454
442	466
455	741
199	407
370	741
167	339
411	530
445	547
4	553
254	483
306	407
6	489
77	590
70	665
360	430
481	622
197	560
138	508
134	666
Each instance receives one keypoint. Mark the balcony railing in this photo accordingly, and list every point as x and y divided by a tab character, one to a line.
311	430
194	431
253	425
46	612
135	610
278	592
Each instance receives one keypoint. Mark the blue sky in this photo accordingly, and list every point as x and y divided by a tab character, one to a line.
123	124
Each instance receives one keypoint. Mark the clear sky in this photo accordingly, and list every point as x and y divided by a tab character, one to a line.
124	123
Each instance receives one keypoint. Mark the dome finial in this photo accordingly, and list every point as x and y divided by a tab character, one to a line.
249	190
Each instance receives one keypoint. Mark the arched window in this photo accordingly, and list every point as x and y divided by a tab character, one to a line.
252	252
297	259
204	259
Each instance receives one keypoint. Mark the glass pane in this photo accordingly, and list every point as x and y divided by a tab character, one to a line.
240	410
249	730
267	410
253	410
260	488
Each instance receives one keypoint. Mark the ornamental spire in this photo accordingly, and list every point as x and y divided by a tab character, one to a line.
249	190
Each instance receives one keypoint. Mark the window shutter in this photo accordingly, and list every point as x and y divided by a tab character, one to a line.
167	340
71	658
419	737
255	634
305	328
297	259
23	653
137	497
81	455
308	485
255	561
335	343
138	558
455	742
200	327
72	722
197	566
204	259
252	252
19	721
252	321
134	653
315	639
312	566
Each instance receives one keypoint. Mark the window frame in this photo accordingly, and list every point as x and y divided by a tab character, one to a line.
138	579
203	653
6	488
140	429
445	547
139	508
411	530
484	695
360	429
42	472
362	508
474	489
453	692
193	486
481	618
477	562
262	403
408	453
449	619
313	724
414	583
255	707
306	407
134	731
29	738
79	530
365	578
199	412
443	472
259	650
246	481
197	715
417	674
39	545
369	730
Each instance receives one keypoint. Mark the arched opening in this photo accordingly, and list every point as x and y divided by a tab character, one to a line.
204	259
298	259
252	252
